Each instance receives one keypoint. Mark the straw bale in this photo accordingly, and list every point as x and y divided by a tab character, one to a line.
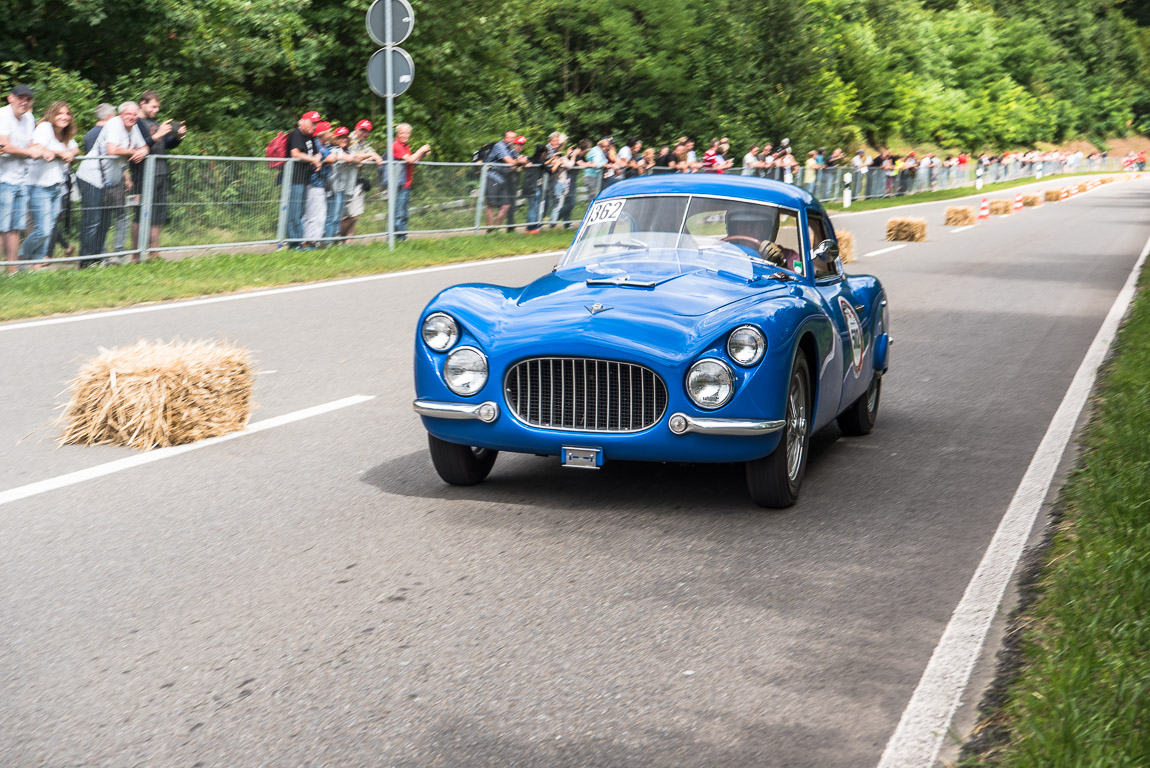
1031	201
910	229
846	240
152	395
1053	195
959	216
1001	207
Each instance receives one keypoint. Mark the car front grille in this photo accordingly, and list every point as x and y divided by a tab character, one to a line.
585	395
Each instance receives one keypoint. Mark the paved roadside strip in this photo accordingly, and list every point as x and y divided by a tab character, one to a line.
918	737
131	462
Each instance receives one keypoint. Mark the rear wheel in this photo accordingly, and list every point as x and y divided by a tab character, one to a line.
860	417
774	480
460	464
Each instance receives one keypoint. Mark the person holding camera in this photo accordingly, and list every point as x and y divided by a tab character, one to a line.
161	139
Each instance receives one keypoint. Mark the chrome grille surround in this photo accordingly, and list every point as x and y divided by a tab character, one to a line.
582	394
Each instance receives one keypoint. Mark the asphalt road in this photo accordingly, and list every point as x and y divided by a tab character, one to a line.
313	595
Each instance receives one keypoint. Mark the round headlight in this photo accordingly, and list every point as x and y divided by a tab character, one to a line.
710	383
746	345
439	331
465	371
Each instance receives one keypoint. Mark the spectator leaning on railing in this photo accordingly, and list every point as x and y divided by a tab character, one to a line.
401	152
16	151
301	147
102	182
58	149
363	153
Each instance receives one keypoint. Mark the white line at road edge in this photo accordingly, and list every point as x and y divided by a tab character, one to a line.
916	741
261	293
883	250
131	462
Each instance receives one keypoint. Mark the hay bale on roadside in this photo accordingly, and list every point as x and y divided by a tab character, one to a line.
846	240
1031	201
1001	207
959	216
913	230
153	395
1053	195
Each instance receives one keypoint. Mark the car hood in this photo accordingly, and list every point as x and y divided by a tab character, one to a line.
655	313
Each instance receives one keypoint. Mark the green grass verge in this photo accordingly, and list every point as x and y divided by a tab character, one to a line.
877	203
47	292
1082	694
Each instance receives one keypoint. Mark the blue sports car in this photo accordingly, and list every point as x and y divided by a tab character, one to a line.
694	318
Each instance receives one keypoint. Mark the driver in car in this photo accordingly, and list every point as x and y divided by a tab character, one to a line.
755	232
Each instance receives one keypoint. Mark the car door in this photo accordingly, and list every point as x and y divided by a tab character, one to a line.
848	314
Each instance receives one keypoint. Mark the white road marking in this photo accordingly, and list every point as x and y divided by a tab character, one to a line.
882	250
963	229
261	293
916	741
131	462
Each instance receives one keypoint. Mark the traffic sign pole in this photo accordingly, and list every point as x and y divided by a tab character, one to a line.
388	31
389	71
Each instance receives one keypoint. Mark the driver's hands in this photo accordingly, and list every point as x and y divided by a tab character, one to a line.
773	252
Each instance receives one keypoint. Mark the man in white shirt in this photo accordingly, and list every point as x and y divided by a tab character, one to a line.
102	181
16	150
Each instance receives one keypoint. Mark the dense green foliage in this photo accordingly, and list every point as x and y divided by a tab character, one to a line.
955	73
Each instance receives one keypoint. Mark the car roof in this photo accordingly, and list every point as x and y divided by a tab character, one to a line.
720	185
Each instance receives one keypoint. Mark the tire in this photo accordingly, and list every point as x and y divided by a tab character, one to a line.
860	416
460	464
774	480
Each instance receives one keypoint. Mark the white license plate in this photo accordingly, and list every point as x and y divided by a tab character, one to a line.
583	458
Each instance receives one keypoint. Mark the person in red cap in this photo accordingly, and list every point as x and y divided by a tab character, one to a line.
315	208
302	149
340	179
362	152
401	151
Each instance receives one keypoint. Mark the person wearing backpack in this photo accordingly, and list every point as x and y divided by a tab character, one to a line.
301	148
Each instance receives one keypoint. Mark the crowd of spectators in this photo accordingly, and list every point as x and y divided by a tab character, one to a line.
547	178
37	186
327	190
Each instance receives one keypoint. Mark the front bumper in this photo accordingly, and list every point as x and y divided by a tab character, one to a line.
677	437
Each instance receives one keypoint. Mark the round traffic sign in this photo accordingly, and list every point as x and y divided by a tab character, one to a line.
402	72
402	20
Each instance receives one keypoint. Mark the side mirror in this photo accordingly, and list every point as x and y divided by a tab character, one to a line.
827	250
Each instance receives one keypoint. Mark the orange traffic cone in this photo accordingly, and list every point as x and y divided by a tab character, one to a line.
1064	194
1018	202
984	209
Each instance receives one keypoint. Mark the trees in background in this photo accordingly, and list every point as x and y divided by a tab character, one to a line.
954	73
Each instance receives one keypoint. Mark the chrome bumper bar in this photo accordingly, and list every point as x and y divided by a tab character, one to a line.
682	424
485	412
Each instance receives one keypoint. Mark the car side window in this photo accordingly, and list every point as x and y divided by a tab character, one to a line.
817	232
788	238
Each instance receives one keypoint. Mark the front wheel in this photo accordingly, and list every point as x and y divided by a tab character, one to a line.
859	418
774	480
460	464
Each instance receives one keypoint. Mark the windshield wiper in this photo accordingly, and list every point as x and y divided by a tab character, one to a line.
634	244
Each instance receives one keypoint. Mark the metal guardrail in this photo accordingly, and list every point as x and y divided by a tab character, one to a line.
198	202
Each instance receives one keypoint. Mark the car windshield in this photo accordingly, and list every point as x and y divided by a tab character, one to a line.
718	233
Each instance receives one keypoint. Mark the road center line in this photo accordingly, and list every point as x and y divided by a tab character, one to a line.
91	473
963	229
882	250
918	737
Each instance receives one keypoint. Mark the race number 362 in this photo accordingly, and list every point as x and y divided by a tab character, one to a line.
605	210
